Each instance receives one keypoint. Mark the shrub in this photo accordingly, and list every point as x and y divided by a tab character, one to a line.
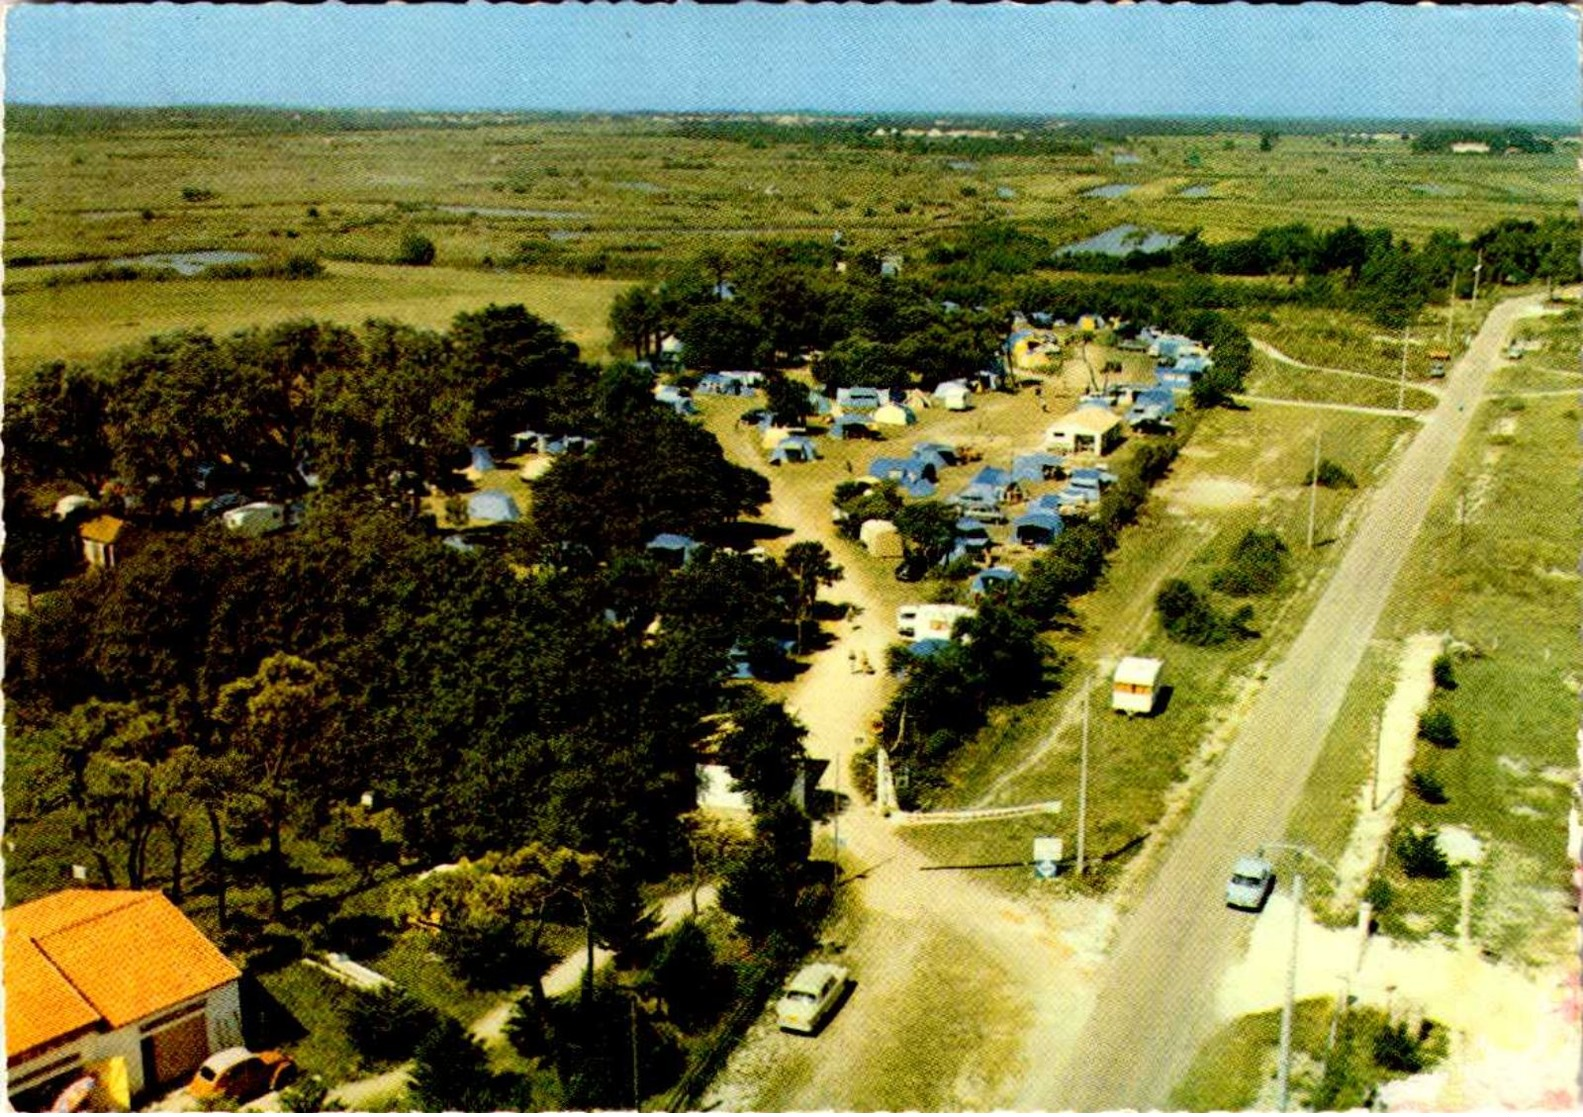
1427	786
387	1023
196	194
1421	856
1437	728
416	250
1189	618
307	1095
450	1071
685	973
1257	565
1379	893
1445	677
1397	1049
1331	476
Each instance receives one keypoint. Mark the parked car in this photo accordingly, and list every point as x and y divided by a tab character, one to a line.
241	1075
1252	880
810	997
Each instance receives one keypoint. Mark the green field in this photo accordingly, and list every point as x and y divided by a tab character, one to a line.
78	320
1503	583
638	192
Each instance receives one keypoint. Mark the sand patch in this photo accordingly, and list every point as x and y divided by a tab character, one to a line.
1398	732
1212	493
1460	845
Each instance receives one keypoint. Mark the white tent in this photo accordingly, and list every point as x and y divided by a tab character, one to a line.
895	415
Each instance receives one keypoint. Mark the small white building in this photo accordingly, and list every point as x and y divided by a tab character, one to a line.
1088	430
1136	686
259	518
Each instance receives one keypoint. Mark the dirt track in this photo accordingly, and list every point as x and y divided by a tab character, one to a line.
1157	1001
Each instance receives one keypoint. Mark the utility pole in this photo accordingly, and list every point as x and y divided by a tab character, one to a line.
1284	1081
1374	787
1477	268
1313	492
1451	309
1082	787
1401	383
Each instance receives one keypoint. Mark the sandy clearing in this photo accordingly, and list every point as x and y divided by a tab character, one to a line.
1398	732
1208	493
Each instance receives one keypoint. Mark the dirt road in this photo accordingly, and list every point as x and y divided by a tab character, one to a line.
1156	1003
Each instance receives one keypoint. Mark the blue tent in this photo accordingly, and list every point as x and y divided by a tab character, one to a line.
819	402
938	452
918	490
858	399
1091	477
901	469
528	441
1035	467
712	383
1037	529
923	649
494	506
457	543
850	426
793	449
482	459
969	528
995	579
676	548
1049	502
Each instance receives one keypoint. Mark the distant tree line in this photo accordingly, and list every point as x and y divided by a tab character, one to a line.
1499	140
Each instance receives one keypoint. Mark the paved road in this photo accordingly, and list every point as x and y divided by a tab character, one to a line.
1156	1003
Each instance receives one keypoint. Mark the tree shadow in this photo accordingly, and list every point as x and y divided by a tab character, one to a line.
266	1023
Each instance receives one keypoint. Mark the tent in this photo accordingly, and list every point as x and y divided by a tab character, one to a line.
675	548
923	649
901	469
970	529
1037	529
895	415
995	579
493	506
858	399
918	490
66	505
851	426
1035	467
793	449
881	539
483	461
953	393
938	453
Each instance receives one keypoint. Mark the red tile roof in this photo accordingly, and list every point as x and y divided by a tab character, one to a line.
83	958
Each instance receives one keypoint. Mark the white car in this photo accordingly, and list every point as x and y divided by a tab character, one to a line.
810	996
1252	879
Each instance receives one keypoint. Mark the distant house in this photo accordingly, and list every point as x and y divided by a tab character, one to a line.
1085	431
895	415
101	538
115	984
493	506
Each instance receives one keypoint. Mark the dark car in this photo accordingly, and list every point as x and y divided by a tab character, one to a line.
222	503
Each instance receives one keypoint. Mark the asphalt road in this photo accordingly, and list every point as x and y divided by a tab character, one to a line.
1156	1001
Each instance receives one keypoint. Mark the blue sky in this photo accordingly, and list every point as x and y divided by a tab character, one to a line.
1515	63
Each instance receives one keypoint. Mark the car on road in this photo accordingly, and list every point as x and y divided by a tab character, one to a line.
1252	879
241	1075
810	997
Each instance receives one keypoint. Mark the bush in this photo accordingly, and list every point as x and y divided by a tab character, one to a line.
1445	678
1257	565
1421	856
1427	786
1331	476
307	1095
1189	618
693	985
387	1023
450	1071
1437	728
1379	894
1397	1049
196	194
416	250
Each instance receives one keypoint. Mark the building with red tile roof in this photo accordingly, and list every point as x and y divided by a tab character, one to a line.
96	976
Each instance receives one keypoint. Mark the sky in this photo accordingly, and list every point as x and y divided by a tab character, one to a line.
1515	63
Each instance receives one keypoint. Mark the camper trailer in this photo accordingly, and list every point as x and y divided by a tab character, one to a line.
1136	687
258	518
